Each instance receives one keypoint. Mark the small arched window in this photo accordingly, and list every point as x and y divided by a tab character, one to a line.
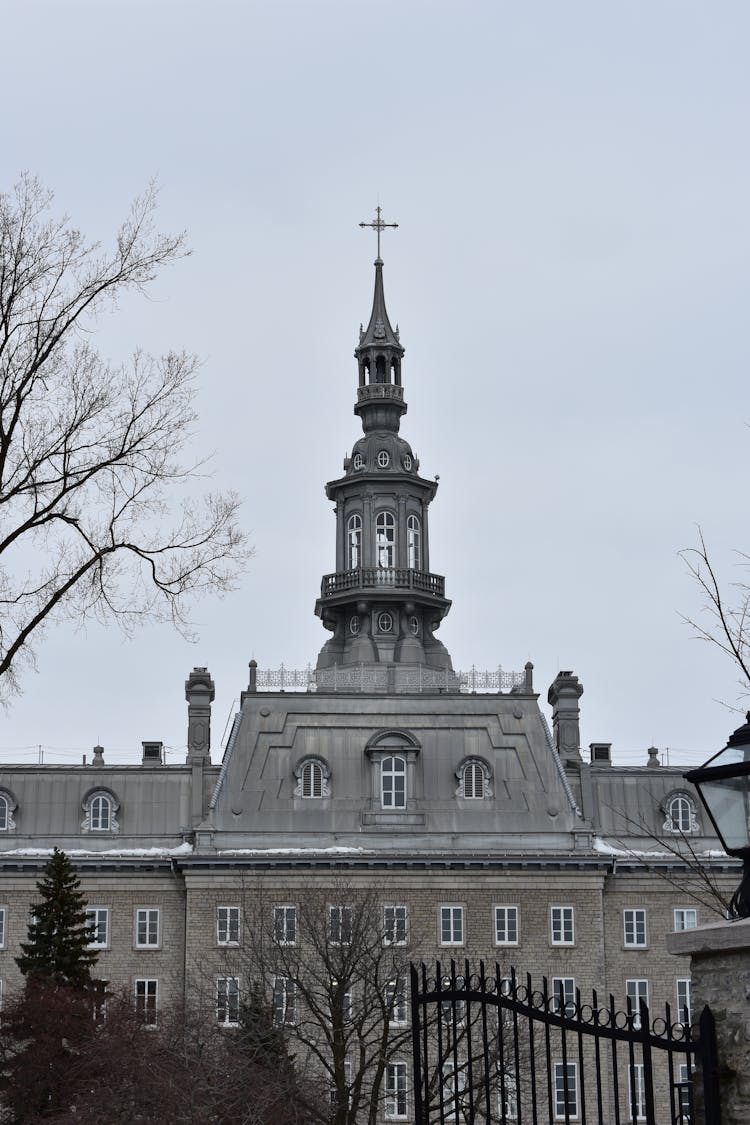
393	783
414	543
313	777
101	813
473	779
4	813
681	815
385	539
354	542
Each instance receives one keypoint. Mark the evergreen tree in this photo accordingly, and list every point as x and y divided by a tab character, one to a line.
258	1036
59	935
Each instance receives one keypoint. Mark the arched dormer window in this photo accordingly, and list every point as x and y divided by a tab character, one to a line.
354	542
7	807
393	758
682	816
414	543
100	808
385	539
313	779
474	779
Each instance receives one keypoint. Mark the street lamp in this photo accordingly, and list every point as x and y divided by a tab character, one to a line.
723	785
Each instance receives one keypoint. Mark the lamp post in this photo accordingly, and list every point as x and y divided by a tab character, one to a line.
723	785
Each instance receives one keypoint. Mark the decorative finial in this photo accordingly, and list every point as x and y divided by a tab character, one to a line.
378	224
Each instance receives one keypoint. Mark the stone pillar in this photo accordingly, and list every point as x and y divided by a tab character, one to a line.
720	979
563	696
199	693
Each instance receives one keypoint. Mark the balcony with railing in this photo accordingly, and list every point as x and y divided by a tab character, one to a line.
374	391
382	578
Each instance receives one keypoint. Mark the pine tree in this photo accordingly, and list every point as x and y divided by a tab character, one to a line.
59	935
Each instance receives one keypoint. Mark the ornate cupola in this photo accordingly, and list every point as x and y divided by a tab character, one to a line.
383	604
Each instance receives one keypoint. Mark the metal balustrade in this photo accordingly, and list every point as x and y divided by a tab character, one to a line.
382	577
388	677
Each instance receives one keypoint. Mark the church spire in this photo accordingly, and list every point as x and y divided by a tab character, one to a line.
380	396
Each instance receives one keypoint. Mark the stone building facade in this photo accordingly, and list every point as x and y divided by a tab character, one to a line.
500	838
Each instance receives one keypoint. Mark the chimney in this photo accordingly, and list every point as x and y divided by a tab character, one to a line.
153	754
199	693
563	696
98	758
601	753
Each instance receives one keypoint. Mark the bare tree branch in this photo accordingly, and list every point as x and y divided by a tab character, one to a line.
98	516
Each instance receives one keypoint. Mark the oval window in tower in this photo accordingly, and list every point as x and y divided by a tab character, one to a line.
358	461
384	458
385	622
414	626
354	625
407	462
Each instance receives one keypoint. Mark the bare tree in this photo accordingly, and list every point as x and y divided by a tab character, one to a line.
727	617
95	514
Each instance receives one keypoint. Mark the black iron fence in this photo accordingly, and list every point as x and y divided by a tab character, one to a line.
491	1049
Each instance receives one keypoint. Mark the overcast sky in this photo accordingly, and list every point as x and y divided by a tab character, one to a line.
570	275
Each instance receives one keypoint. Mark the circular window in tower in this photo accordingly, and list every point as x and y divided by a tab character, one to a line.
354	625
385	623
414	625
358	462
384	458
407	462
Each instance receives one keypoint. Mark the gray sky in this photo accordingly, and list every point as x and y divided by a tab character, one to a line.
570	276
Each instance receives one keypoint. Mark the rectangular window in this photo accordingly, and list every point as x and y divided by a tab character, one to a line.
395	925
636	1091
566	1090
395	996
451	925
284	1001
340	925
395	1090
506	925
3	912
507	1093
97	920
342	999
683	1001
285	924
685	918
346	1076
634	926
227	925
147	928
562	925
454	1092
228	1001
635	991
684	1095
564	993
146	998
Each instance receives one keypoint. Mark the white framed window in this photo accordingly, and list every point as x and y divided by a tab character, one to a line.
147	927
340	920
506	925
385	539
97	921
385	622
685	918
341	1002
228	1001
285	924
507	1093
393	782
100	810
313	779
354	541
684	1095
384	459
395	1090
284	1001
147	1000
635	991
3	926
681	815
395	925
566	1090
472	781
407	462
683	1000
636	1091
451	925
396	1001
227	925
634	928
562	925
454	1092
7	808
413	543
358	461
564	994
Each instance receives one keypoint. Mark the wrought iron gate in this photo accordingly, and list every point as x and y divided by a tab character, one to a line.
490	1049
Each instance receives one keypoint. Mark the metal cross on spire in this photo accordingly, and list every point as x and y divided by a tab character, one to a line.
378	224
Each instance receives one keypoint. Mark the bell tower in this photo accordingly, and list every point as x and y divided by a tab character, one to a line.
382	604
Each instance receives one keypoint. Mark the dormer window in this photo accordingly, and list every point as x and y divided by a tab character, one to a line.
393	783
474	779
100	808
313	779
681	817
7	807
